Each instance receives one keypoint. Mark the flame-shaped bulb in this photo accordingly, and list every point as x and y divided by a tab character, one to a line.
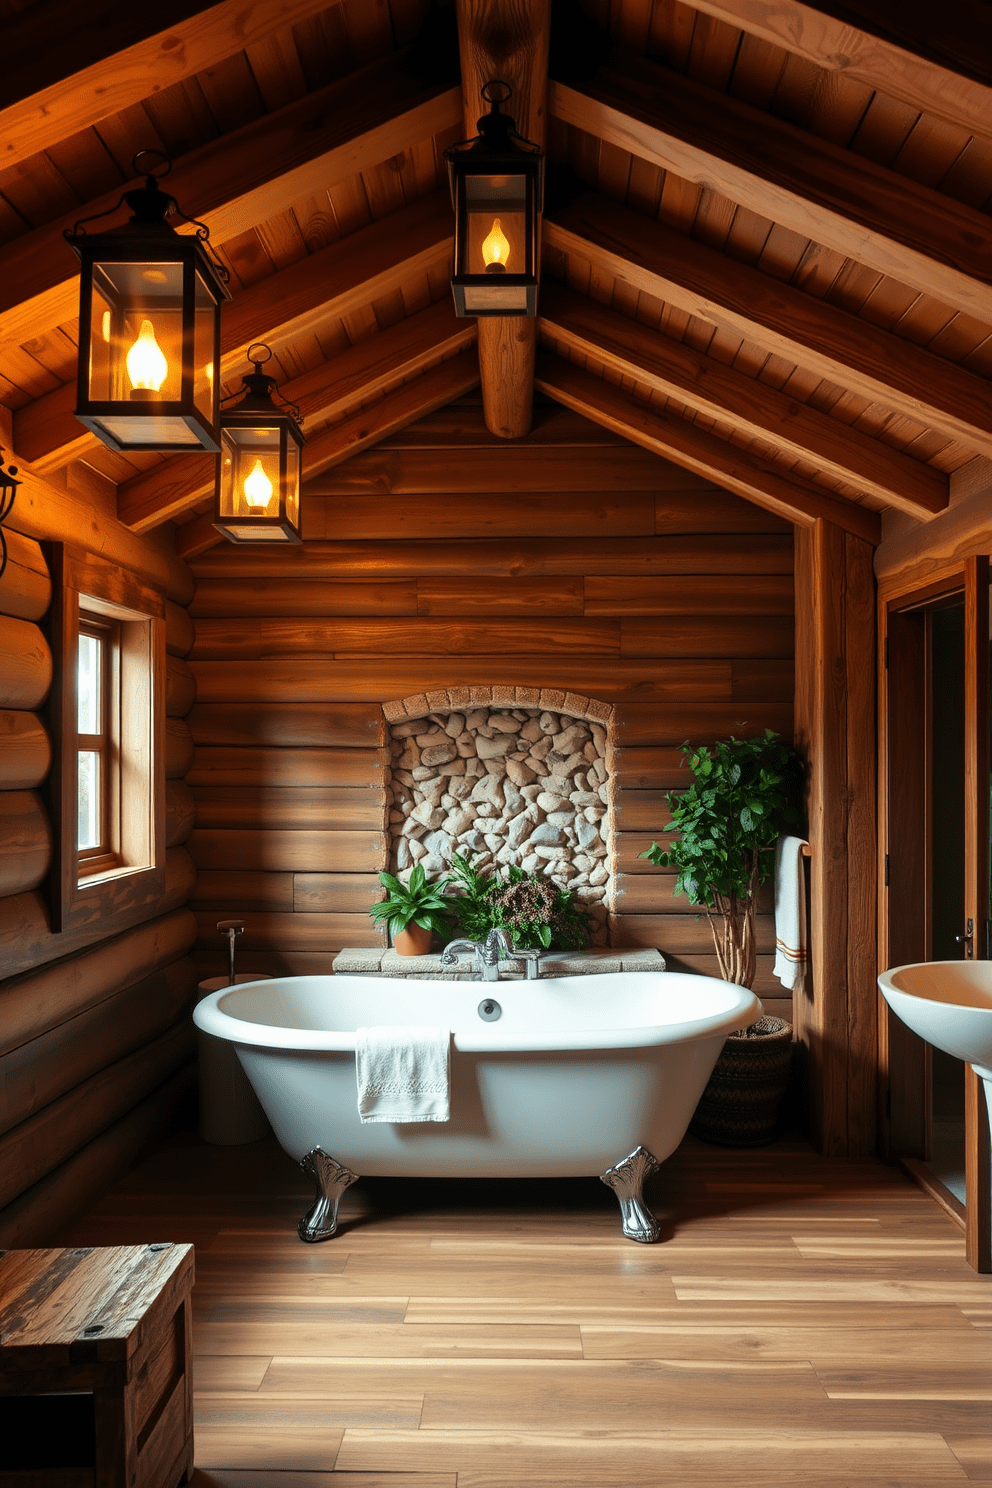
258	487
146	366
496	249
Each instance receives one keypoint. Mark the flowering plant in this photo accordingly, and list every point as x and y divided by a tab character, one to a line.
531	908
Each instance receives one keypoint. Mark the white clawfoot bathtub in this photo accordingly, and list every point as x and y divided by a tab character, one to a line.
577	1073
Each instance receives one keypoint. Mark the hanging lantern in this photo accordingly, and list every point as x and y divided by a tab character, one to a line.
261	447
149	327
497	187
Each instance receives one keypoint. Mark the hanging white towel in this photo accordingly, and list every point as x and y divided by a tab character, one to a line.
403	1073
790	912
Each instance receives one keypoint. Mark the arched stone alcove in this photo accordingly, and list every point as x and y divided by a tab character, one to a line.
510	775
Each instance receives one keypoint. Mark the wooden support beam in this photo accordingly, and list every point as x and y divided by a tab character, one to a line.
811	332
797	430
433	389
329	391
736	470
506	39
116	55
334	282
944	69
244	178
808	185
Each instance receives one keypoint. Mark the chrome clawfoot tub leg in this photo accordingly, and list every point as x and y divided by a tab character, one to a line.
627	1182
330	1180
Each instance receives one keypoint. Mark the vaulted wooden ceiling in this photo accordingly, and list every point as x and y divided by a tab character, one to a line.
767	254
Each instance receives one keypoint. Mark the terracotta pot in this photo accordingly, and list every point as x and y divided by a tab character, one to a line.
413	941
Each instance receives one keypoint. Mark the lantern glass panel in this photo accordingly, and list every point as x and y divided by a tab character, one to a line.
293	482
250	473
204	371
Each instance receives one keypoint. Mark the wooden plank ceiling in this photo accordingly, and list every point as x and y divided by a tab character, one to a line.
767	254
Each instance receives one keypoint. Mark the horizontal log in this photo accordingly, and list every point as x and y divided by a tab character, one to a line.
586	513
708	635
179	630
296	679
234	892
322	725
336	893
26	940
649	768
732	546
732	594
251	640
290	852
255	766
766	680
274	962
654	894
180	687
25	841
505	469
25	750
302	932
42	1000
640	810
25	585
40	1071
44	1211
701	723
297	593
331	808
25	664
699	964
681	934
628	846
179	748
180	812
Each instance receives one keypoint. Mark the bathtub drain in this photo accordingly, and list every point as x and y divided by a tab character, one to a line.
489	1010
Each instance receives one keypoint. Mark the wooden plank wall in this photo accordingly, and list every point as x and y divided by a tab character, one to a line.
94	1032
571	560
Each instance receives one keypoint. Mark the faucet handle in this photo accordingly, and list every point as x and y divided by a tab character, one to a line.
532	959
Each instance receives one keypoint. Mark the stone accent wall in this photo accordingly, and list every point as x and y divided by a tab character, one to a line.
527	786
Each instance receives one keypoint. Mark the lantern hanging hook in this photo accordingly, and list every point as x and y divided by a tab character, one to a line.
493	98
253	353
151	174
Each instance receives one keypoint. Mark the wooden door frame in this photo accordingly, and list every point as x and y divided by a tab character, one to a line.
903	1058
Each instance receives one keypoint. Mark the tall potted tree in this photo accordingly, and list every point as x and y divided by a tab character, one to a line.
742	795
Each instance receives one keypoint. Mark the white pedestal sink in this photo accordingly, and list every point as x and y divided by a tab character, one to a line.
948	1003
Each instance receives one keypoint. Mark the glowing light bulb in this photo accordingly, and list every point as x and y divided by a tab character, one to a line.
258	487
496	250
146	366
106	325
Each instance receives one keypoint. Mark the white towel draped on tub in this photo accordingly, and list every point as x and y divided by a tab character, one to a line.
403	1073
790	912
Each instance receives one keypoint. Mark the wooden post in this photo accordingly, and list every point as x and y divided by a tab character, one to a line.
978	1188
506	39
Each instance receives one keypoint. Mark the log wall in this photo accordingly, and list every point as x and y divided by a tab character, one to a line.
95	1036
571	561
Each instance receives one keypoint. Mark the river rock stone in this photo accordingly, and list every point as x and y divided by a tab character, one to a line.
428	814
494	748
455	725
519	772
438	754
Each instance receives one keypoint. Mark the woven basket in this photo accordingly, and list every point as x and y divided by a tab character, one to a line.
740	1105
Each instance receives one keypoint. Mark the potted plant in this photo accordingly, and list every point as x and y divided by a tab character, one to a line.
413	911
536	913
729	819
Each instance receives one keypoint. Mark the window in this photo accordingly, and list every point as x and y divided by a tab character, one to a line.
108	718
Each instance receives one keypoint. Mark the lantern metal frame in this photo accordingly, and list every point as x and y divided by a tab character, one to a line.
8	490
500	152
258	410
149	239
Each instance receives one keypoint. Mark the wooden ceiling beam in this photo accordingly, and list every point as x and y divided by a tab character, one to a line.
694	449
416	398
328	391
812	187
67	66
338	280
243	178
838	346
756	409
506	39
942	67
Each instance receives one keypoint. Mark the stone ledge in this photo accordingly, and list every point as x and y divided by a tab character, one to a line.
355	962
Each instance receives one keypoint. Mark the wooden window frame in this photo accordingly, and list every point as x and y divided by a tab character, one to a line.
105	743
129	873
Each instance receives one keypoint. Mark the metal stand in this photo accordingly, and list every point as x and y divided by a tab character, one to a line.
330	1180
627	1182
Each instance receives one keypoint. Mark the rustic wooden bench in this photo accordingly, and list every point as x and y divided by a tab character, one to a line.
95	1367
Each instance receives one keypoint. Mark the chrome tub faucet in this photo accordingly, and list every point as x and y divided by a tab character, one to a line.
488	953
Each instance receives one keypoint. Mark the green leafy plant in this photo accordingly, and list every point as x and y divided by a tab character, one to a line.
530	907
418	901
728	822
